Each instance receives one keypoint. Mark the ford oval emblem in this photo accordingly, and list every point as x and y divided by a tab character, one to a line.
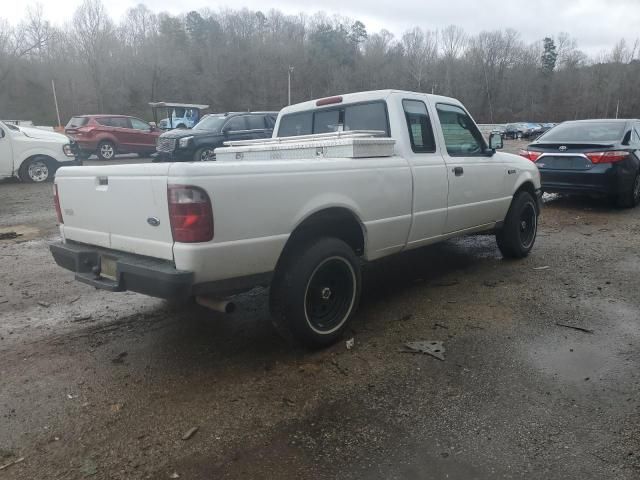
562	148
153	221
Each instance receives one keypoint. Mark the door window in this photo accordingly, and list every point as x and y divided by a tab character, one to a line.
419	125
235	124
116	122
138	124
461	136
255	122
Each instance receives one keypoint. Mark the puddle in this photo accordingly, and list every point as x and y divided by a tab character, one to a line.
574	364
608	354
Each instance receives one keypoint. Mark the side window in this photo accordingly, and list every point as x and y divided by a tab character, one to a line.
271	121
255	122
366	116
116	122
296	124
461	135
138	124
235	124
419	125
326	121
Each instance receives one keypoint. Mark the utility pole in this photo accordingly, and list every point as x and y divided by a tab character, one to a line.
617	108
289	83
55	100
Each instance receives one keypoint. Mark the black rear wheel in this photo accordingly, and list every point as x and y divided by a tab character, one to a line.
518	234
316	291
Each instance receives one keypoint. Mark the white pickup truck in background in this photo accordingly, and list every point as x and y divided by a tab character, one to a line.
372	174
32	154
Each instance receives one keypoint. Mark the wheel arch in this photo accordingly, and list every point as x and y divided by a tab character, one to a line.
335	221
526	186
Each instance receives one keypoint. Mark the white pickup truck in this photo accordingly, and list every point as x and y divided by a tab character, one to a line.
32	154
301	223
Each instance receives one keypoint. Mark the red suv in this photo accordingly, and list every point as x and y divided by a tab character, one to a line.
108	135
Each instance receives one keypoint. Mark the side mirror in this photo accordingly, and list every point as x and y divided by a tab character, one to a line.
495	141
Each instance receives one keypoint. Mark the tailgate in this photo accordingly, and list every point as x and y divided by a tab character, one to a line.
122	207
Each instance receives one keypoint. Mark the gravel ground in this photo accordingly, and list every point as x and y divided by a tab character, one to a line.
100	385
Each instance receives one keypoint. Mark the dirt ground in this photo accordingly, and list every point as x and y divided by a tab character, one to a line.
106	386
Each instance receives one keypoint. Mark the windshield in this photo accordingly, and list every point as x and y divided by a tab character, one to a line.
211	123
585	131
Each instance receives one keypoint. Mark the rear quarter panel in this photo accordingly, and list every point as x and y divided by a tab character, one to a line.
256	206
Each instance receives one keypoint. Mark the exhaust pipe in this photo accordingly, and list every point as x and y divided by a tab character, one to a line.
216	304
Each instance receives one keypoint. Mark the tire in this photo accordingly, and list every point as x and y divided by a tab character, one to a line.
106	150
205	154
182	126
316	291
518	234
630	198
36	170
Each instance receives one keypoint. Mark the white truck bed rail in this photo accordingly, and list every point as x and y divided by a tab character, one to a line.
351	144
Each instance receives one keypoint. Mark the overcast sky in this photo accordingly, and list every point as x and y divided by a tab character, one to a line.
596	24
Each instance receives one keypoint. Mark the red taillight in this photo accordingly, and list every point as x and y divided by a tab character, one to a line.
56	202
328	101
529	155
607	157
190	214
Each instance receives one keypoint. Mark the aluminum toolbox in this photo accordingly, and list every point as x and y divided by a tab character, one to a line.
354	144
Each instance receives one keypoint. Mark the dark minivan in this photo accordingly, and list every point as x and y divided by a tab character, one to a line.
591	156
199	143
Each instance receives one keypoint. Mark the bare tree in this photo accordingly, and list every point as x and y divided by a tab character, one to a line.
93	34
421	49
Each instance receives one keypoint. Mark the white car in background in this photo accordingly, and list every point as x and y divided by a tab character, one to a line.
32	154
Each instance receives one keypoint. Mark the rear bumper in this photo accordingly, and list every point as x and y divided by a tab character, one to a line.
149	276
606	179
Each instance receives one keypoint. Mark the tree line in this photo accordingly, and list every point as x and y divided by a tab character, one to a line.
240	59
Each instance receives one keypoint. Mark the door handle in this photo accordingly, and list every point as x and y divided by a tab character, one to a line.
458	171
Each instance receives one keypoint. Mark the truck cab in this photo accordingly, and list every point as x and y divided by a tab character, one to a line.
343	181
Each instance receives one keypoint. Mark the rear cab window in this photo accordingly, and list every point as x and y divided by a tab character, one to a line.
342	118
